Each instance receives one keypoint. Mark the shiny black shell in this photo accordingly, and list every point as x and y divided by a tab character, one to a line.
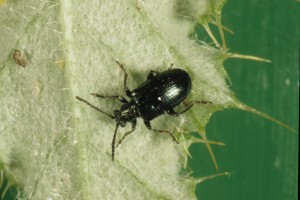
161	92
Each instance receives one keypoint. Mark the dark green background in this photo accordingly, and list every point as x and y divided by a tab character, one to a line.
262	155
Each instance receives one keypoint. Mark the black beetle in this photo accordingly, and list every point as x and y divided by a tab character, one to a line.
159	94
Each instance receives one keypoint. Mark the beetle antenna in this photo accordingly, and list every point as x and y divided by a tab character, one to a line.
91	105
113	143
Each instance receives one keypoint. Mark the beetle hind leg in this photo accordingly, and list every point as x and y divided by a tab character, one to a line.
174	113
148	125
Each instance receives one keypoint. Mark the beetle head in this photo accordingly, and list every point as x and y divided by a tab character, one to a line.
119	118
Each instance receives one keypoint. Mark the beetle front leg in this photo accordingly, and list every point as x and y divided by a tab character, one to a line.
174	113
121	99
127	133
127	91
148	125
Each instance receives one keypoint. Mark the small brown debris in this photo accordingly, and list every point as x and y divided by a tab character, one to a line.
20	58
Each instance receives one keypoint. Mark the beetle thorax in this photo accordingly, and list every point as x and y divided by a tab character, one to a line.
127	113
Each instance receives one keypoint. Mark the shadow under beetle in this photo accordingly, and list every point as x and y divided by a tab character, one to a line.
159	94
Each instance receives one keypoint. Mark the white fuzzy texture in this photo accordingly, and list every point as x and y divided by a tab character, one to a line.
57	147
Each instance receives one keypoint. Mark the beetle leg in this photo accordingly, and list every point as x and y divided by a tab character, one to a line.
200	102
148	125
152	74
98	109
174	113
127	133
127	91
121	99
